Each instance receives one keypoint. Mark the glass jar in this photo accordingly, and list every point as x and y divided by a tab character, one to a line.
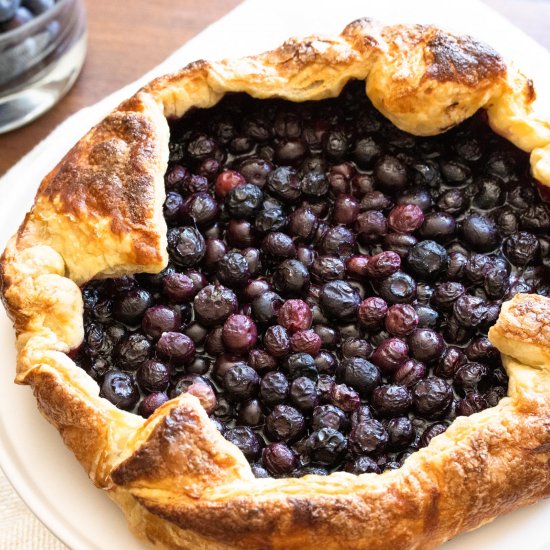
39	62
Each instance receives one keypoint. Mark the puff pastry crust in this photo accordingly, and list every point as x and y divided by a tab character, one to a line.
180	483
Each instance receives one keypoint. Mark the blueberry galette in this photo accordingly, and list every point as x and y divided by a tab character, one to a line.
266	309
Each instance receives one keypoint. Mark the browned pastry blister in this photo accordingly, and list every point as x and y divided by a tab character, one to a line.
180	483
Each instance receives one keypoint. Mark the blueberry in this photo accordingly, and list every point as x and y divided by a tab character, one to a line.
244	201
120	389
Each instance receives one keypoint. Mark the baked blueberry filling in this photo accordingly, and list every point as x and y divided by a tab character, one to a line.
331	282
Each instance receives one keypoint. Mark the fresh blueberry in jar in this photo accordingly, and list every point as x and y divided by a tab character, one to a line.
153	376
303	394
186	246
241	382
368	437
150	403
274	388
120	389
214	304
359	374
390	173
132	351
175	347
284	423
279	460
248	442
283	182
479	232
326	446
397	288
428	260
431	396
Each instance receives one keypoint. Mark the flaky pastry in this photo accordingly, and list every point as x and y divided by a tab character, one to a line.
179	482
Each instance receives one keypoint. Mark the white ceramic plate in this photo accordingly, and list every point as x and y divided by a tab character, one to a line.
32	455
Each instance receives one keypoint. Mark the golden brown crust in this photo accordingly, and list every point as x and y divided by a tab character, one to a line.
180	483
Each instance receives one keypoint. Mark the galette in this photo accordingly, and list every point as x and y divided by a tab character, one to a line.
301	299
